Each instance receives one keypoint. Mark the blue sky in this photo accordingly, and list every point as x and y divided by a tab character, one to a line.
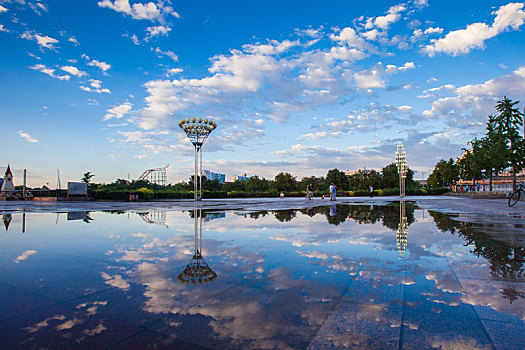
296	86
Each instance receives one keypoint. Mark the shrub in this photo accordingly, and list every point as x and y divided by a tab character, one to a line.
145	193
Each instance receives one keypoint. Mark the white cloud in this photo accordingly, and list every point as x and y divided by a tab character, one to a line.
430	30
49	71
118	111
41	6
43	41
135	39
173	71
405	109
470	104
273	47
350	38
103	66
147	11
384	22
373	77
168	53
2	9
2	29
157	31
74	71
27	137
313	136
25	254
73	40
115	281
95	86
142	156
510	16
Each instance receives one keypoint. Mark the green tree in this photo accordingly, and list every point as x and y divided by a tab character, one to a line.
471	162
363	179
256	184
285	182
444	173
238	186
338	178
390	177
508	124
87	177
493	151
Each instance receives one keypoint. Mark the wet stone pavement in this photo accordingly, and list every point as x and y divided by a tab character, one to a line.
362	273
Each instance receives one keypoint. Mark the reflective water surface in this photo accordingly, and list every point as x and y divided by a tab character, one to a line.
345	276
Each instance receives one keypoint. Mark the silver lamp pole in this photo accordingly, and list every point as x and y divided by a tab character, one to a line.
197	130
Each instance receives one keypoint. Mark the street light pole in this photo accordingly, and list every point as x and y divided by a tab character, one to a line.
197	131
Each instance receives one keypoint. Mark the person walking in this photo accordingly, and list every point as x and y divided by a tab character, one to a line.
310	191
335	192
331	189
371	191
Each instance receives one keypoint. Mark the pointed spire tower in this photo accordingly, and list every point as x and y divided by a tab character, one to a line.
7	188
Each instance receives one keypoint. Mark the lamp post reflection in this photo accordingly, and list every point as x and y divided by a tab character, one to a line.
197	271
402	229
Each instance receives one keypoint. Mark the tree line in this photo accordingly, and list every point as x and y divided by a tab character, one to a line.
362	180
502	147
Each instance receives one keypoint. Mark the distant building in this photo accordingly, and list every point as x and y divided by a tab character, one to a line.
213	216
215	176
7	187
242	177
352	172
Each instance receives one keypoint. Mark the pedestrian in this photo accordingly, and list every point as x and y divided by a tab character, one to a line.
335	192
331	189
333	210
310	191
371	191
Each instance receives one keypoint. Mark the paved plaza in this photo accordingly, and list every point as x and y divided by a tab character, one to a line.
287	273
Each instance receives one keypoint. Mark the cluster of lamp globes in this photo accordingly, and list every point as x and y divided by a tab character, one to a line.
197	126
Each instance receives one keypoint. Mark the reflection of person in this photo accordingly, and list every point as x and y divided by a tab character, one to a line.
333	210
331	189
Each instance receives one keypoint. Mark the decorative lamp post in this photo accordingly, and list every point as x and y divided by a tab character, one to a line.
402	229
197	271
402	168
197	130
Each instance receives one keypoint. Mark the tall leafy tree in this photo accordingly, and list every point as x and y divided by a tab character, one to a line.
338	178
469	163
285	182
256	184
508	125
444	173
390	177
362	180
493	151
